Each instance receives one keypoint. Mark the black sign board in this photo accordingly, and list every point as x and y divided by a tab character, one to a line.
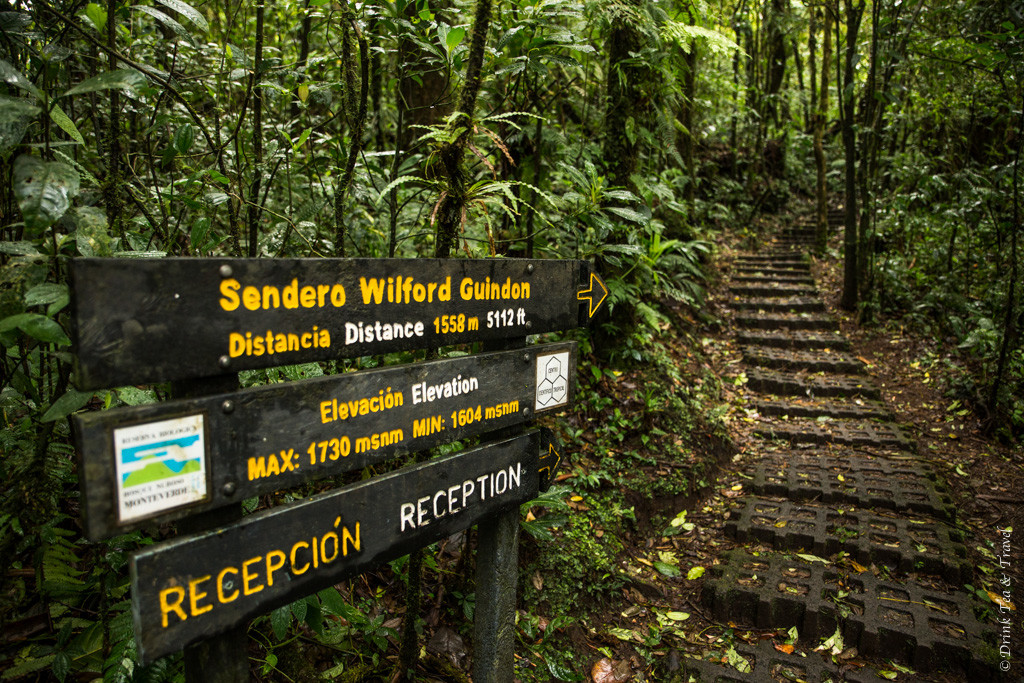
192	588
166	319
172	459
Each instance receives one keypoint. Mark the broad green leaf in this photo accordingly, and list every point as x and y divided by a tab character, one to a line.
628	214
183	139
65	405
16	109
624	634
736	660
668	570
23	248
15	115
45	293
44	191
190	13
15	23
508	36
812	558
11	135
302	139
170	23
37	326
299	609
200	230
562	672
12	76
61	666
678	616
67	125
695	573
333	602
133	396
280	620
454	37
888	675
122	79
97	15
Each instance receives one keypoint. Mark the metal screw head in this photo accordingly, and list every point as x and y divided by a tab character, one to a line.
526	412
224	362
228	407
529	324
529	268
526	358
225	270
229	488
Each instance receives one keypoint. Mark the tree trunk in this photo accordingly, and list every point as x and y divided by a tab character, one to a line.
112	186
355	106
623	84
689	140
820	118
253	214
850	271
453	201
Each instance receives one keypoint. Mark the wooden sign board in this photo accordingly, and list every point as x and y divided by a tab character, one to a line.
192	588
159	462
138	321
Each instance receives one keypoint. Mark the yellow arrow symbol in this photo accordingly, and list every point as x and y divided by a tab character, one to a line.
595	295
558	459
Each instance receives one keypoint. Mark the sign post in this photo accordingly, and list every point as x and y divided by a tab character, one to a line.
193	458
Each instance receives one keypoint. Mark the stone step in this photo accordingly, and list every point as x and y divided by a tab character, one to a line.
864	481
777	290
799	304
781	279
840	432
903	543
795	339
857	409
807	361
790	258
790	384
755	270
768	664
926	626
788	321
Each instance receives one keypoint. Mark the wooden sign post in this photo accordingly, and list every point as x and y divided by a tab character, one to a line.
197	322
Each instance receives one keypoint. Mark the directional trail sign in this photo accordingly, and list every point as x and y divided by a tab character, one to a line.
195	587
176	458
156	320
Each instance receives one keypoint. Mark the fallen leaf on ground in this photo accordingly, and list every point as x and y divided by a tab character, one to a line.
1002	602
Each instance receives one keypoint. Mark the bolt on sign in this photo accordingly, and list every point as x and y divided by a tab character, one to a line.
158	462
167	319
178	319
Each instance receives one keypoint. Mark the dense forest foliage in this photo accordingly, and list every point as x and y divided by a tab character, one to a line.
632	133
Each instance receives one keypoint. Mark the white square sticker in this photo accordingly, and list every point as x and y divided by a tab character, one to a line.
159	466
552	380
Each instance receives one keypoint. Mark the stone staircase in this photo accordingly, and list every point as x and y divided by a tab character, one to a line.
844	527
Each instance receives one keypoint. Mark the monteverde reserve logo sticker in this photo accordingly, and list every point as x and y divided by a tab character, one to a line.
159	466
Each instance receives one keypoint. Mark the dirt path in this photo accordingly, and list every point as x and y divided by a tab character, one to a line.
850	563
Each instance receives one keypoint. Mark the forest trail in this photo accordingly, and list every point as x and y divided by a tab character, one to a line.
828	471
